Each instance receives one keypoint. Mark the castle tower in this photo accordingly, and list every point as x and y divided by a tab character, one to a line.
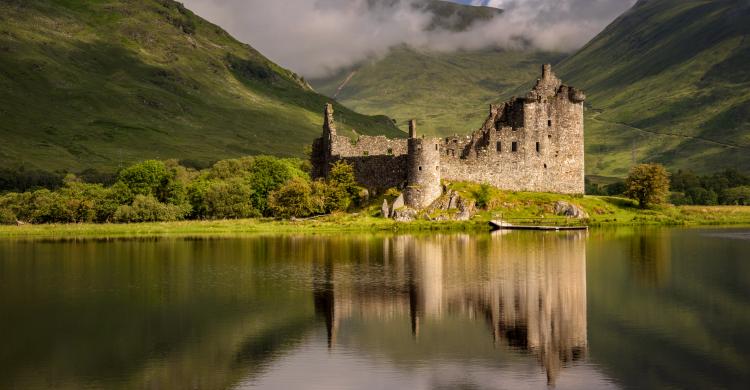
423	170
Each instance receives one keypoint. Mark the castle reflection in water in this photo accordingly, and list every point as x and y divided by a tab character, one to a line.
532	297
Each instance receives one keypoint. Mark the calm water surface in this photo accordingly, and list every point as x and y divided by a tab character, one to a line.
604	309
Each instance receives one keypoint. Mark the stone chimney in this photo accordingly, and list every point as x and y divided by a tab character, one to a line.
412	129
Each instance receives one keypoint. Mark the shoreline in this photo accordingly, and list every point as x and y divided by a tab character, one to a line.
341	223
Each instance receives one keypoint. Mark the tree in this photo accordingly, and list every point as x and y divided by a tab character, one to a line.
146	178
293	199
737	196
648	184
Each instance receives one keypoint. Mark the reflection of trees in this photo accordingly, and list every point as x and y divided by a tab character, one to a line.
530	289
650	256
166	313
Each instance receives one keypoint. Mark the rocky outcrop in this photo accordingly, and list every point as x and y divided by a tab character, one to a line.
397	205
452	207
449	207
405	214
570	210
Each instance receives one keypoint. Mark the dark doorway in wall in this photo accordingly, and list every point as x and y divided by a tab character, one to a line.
514	147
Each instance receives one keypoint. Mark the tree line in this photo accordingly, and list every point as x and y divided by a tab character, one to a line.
728	187
153	191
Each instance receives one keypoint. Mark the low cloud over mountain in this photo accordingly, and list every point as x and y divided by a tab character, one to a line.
318	37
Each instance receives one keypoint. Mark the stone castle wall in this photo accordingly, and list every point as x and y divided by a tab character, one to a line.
534	143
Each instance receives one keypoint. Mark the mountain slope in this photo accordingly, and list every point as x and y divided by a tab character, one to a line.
99	83
447	93
668	82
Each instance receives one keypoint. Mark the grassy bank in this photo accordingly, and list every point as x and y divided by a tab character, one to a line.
532	207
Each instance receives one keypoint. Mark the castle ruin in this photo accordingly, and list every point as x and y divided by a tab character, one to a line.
533	143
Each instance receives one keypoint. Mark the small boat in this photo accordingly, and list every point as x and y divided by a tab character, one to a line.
502	225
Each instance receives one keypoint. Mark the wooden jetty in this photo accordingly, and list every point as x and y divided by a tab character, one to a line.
501	225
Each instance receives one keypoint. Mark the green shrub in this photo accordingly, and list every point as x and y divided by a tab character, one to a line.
737	196
228	199
146	178
483	196
293	199
147	208
7	217
269	174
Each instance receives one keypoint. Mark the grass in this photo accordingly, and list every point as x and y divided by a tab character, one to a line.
531	207
100	84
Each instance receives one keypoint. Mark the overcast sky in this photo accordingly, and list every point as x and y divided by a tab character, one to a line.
318	37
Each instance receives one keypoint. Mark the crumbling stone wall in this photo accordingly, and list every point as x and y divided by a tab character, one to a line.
534	143
379	162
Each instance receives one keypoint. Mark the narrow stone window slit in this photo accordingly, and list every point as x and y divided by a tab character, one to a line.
499	146
538	147
514	147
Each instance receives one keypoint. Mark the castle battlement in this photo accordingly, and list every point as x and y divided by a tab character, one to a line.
533	143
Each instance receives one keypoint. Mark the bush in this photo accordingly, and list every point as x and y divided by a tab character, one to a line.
229	199
737	196
701	196
269	174
483	196
146	178
294	199
7	217
147	208
648	184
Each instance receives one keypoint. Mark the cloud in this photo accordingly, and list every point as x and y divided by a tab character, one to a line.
318	37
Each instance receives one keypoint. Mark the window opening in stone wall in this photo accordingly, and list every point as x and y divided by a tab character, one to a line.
545	166
549	136
420	168
549	123
437	147
499	146
514	147
437	167
390	151
538	147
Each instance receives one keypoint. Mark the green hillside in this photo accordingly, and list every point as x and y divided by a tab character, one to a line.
446	93
668	82
99	83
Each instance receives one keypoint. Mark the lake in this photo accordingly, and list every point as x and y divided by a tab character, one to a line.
609	308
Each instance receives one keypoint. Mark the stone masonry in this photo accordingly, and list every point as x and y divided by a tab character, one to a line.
533	143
